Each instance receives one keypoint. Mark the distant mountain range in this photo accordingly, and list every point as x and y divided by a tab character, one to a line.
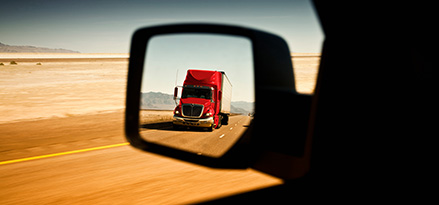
157	101
31	49
163	101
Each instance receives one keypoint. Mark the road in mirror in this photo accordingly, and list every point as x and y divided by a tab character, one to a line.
197	92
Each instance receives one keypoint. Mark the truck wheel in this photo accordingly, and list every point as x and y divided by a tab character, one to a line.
211	128
225	120
219	121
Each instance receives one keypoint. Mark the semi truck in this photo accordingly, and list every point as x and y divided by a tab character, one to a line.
205	100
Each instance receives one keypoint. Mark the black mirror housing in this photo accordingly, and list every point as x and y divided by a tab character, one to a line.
175	93
274	89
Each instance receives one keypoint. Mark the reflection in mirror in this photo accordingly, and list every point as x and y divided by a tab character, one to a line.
197	92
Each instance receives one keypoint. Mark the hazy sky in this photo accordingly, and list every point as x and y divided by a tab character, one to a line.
98	26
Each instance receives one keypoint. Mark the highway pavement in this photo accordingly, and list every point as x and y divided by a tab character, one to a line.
198	140
75	164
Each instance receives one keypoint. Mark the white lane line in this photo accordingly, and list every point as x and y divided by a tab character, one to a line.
221	136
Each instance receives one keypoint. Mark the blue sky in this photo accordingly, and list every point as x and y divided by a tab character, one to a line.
169	55
106	26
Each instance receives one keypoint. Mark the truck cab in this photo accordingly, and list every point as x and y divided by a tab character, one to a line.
202	103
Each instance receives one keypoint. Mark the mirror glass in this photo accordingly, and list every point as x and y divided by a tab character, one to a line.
197	92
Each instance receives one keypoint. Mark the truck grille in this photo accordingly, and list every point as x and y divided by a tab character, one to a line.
192	110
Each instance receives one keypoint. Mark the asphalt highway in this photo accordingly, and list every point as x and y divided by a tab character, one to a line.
90	171
198	140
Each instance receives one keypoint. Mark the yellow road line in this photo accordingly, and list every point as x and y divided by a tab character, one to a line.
62	153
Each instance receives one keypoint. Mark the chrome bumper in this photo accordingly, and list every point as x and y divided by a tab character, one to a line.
206	122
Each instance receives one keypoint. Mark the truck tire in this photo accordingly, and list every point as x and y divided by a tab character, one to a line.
225	120
220	119
211	128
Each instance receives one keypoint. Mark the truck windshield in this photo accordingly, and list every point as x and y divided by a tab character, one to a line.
196	93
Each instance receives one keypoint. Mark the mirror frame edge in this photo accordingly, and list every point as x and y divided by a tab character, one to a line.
281	79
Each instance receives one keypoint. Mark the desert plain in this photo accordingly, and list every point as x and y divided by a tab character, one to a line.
52	103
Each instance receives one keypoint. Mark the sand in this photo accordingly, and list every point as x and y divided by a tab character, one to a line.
305	70
81	92
71	103
61	88
66	85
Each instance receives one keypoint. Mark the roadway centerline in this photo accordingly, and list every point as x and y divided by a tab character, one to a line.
62	153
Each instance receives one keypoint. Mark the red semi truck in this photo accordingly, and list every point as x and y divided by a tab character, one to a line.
205	100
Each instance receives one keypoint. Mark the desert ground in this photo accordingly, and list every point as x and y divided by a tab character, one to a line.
53	103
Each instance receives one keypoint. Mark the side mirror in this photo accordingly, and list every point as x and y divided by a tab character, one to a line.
175	93
282	119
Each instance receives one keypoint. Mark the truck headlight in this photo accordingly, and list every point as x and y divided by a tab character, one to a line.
208	114
177	112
